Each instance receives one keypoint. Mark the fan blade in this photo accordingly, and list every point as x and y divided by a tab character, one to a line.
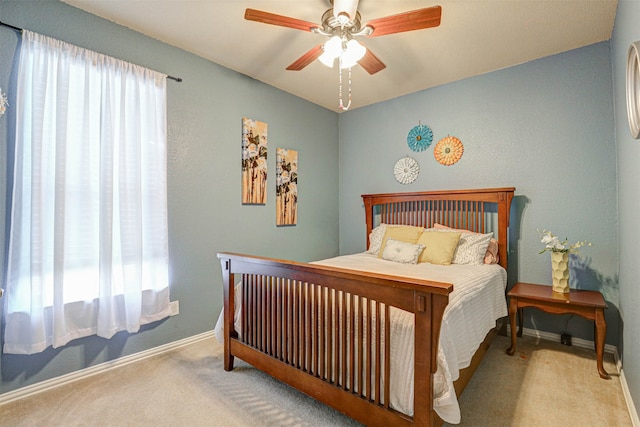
371	63
280	20
306	59
408	21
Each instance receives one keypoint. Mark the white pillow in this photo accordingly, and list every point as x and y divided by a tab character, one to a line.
406	253
375	239
471	248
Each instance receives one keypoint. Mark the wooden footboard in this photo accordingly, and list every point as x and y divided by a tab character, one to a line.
325	331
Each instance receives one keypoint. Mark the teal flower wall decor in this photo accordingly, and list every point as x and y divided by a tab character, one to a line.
420	138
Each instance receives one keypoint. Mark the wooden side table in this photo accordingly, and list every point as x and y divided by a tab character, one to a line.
588	304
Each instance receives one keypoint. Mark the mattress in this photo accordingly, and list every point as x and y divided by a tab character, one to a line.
476	302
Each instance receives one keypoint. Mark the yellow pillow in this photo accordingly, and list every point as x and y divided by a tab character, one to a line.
401	233
439	246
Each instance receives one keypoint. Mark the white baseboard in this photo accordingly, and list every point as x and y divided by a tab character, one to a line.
633	414
97	369
608	348
578	342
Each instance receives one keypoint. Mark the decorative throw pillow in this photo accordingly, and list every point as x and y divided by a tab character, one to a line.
402	233
471	248
439	247
406	253
490	256
375	239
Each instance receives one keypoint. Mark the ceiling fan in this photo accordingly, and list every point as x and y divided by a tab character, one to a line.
343	23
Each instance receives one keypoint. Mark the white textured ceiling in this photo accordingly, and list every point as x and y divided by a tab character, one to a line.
474	37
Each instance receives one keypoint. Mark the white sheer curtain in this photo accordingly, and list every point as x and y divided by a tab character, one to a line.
88	250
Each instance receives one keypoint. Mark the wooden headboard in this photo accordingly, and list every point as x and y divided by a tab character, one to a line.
481	211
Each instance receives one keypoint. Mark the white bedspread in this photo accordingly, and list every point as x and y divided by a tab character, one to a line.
475	304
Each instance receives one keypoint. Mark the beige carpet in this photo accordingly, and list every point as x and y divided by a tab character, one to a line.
544	384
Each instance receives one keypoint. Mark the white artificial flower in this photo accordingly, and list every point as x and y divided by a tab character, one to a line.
553	244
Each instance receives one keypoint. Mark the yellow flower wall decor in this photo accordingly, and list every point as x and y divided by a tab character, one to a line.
254	162
286	186
448	150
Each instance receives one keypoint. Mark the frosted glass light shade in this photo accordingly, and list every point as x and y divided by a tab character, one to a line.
352	54
333	47
332	50
327	59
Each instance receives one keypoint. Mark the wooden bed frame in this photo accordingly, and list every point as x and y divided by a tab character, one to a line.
305	324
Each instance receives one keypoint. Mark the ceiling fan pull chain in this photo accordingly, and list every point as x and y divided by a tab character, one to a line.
349	87
342	107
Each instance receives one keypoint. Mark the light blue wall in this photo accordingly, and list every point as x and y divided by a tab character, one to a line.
626	31
205	213
545	127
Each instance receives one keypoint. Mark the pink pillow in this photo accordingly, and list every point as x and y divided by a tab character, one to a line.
490	257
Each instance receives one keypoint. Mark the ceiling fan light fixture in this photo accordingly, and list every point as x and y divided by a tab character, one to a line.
349	53
354	52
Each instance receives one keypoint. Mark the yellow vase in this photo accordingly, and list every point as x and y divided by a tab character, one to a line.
560	271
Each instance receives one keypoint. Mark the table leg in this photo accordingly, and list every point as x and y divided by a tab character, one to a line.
601	331
520	321
513	309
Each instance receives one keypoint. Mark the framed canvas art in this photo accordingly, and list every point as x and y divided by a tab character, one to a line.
286	187
254	162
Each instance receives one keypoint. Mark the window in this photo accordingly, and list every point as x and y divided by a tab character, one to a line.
88	249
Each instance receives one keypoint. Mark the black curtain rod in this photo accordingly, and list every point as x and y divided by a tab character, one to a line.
4	24
10	26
